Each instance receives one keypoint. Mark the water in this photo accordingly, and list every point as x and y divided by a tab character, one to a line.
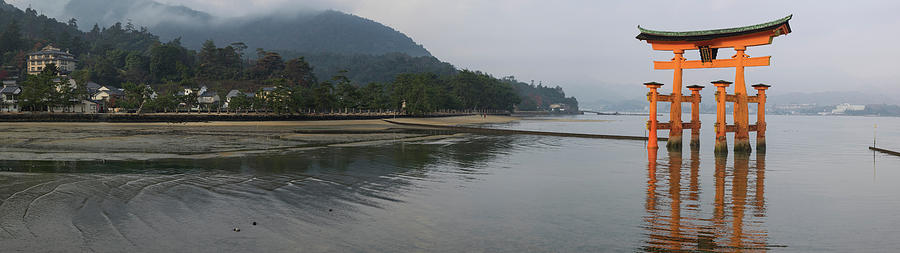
817	188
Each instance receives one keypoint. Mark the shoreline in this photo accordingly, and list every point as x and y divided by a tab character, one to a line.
212	116
144	141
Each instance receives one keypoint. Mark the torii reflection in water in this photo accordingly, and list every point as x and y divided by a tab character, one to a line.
675	219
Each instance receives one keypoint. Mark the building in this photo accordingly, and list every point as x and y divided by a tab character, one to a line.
235	93
209	97
93	88
64	61
845	107
9	98
105	93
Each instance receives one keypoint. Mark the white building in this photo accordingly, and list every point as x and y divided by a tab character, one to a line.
9	98
845	107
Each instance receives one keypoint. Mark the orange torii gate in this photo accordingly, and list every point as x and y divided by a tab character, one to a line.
708	43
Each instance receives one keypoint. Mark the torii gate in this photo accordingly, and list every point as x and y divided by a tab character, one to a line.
708	43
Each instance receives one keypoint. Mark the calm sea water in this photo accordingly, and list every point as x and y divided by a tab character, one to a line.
817	188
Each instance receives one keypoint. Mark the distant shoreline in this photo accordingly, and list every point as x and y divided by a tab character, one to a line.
207	117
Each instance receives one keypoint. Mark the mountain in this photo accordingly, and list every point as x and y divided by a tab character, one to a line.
323	32
312	32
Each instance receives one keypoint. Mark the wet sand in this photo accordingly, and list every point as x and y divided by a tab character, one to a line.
200	140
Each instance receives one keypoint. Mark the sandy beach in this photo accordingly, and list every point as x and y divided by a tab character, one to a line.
199	140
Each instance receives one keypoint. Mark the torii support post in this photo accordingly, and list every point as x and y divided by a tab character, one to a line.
652	141
740	110
676	129
695	115
761	116
721	99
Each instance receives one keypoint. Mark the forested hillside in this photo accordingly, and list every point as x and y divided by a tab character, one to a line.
540	97
131	57
364	68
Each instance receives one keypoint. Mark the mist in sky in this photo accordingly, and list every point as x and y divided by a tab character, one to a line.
588	47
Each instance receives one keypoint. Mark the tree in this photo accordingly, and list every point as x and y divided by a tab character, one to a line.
373	96
420	92
239	47
268	65
136	68
73	23
346	94
300	72
42	91
136	96
11	38
170	61
241	102
218	63
323	96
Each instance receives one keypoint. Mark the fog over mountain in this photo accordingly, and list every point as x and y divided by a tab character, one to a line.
310	30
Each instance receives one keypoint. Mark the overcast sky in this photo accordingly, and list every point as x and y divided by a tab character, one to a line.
588	47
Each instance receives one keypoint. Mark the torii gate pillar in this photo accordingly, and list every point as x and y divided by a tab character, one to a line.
761	117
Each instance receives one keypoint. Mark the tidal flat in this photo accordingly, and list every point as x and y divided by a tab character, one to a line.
203	140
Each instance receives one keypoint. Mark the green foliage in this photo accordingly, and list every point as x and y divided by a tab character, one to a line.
11	38
170	62
242	103
268	65
346	95
299	71
539	97
218	63
46	90
366	68
136	96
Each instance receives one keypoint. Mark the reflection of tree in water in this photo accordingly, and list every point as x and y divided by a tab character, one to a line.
675	220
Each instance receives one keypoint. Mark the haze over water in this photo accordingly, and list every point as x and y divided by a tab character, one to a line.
817	188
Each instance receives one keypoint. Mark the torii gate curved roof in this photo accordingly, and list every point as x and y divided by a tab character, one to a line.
651	35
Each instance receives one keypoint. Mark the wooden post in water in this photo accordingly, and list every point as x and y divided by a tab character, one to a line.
721	96
653	96
675	127
761	116
695	115
740	110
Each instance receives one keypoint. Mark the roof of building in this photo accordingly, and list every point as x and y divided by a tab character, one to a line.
234	93
93	86
15	90
647	34
51	50
209	94
268	88
115	92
